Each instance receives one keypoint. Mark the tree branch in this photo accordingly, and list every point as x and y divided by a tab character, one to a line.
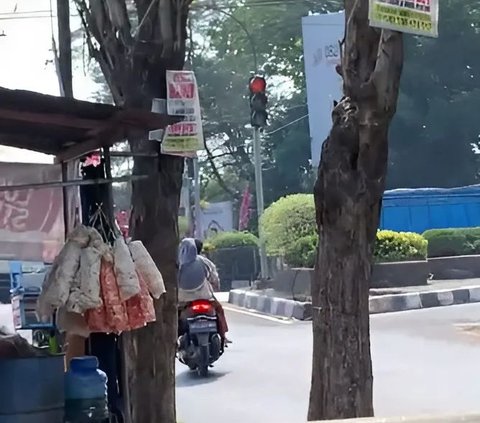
216	173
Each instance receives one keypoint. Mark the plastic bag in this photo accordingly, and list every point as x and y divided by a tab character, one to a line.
147	269
72	323
125	272
112	315
59	280
140	308
85	293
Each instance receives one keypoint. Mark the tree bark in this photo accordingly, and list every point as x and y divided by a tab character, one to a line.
348	194
150	352
134	59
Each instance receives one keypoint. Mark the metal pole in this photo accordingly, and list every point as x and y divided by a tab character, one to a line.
259	194
198	210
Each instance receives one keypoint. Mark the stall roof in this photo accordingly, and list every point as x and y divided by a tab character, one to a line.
68	128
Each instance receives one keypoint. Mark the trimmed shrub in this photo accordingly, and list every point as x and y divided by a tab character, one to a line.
302	252
453	242
400	246
390	247
286	221
232	239
236	256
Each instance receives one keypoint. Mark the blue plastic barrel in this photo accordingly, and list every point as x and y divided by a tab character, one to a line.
85	391
32	389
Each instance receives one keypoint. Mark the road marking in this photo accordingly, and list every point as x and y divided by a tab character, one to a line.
252	313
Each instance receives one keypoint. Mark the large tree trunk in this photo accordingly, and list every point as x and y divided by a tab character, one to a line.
150	352
348	194
134	57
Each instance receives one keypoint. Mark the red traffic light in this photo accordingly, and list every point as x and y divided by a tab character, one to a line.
257	85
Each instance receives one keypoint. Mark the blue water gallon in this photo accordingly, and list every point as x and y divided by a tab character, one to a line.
85	391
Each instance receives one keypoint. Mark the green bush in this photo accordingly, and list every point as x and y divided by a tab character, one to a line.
302	252
390	246
231	240
400	246
453	242
286	221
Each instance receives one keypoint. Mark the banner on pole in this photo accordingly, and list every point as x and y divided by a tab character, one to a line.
418	17
183	138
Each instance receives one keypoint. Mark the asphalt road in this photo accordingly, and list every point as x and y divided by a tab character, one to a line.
422	364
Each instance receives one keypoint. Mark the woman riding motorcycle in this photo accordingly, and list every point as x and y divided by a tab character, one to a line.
194	279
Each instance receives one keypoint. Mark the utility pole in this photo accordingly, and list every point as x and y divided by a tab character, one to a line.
197	209
65	48
258	119
257	155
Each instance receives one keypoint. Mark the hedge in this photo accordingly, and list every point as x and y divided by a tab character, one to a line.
235	254
286	221
453	242
231	240
302	252
390	247
400	246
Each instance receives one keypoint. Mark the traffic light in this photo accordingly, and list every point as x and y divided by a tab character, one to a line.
258	102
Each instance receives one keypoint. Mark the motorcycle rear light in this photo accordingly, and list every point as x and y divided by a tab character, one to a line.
201	306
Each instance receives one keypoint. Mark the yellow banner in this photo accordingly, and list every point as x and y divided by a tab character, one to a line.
419	17
185	144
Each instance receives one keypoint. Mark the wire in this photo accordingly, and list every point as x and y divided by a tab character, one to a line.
287	125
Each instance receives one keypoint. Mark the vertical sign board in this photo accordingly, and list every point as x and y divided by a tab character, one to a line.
184	138
321	37
419	17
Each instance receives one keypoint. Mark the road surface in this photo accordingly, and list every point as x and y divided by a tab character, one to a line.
422	364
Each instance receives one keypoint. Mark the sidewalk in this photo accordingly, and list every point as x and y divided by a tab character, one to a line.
435	294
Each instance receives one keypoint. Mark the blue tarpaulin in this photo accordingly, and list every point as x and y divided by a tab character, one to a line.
416	210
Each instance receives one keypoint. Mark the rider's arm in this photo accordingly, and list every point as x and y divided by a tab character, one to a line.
213	277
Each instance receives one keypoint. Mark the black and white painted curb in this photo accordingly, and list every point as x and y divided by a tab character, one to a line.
283	307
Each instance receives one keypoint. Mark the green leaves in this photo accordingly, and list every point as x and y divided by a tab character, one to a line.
286	221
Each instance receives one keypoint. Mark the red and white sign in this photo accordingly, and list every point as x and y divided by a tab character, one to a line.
184	138
31	220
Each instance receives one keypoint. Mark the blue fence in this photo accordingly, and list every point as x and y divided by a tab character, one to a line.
416	210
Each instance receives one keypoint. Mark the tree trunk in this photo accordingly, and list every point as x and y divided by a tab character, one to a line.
134	56
348	195
150	352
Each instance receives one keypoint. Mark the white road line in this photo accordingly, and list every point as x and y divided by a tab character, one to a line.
258	315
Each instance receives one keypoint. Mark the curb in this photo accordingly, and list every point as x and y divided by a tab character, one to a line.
292	309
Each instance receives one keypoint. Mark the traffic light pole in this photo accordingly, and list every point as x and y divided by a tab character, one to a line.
257	153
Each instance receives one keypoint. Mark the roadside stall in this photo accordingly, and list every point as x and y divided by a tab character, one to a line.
97	286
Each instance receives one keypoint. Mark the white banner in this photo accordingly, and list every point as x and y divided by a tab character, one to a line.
321	37
184	138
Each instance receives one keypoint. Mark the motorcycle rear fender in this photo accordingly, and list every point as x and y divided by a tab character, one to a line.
203	339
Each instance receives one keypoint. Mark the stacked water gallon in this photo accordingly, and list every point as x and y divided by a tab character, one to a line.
32	390
85	392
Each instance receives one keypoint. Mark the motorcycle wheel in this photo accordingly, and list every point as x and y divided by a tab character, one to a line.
202	371
204	361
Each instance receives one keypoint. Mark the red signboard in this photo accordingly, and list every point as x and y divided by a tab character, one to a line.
31	220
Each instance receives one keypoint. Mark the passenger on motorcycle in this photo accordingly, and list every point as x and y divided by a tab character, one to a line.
196	274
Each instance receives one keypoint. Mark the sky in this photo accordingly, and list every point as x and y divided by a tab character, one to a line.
27	58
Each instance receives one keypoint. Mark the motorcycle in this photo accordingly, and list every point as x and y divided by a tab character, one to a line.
199	343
